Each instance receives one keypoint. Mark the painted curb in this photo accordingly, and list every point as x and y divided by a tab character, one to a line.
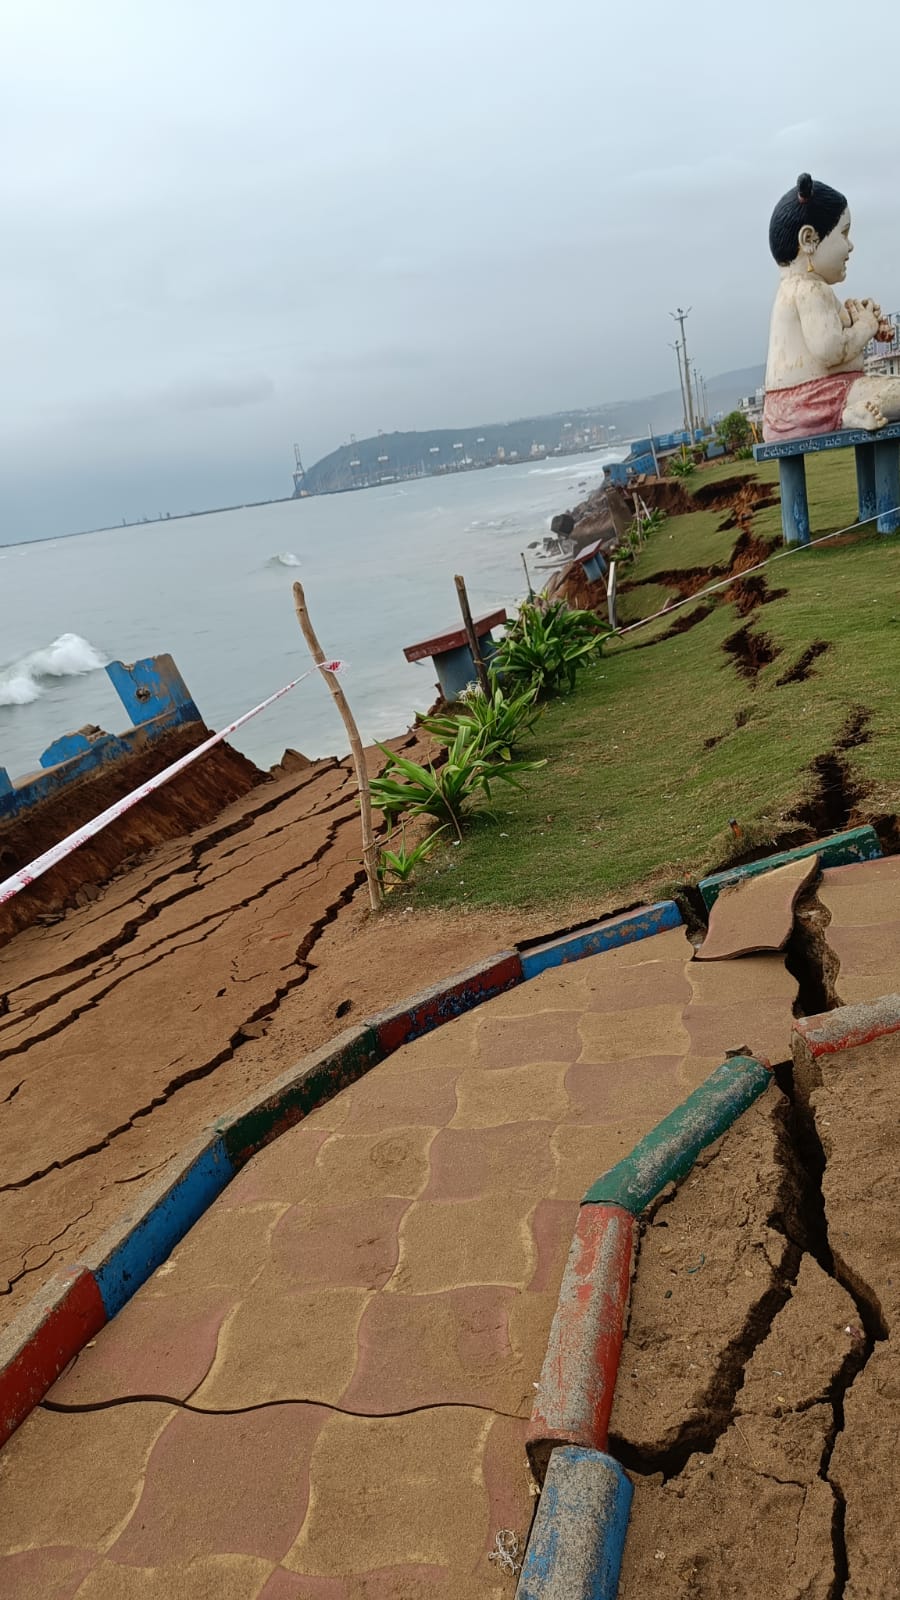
72	1307
670	1150
814	1039
578	1536
848	1026
443	1001
840	850
578	1377
290	1097
626	929
41	1341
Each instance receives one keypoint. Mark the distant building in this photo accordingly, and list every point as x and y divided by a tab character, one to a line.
751	406
884	359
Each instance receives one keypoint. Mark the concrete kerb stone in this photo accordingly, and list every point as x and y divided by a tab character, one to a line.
41	1341
75	1304
840	850
443	1001
835	1031
578	1377
578	1535
609	935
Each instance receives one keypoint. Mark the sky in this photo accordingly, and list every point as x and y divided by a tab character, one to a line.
227	226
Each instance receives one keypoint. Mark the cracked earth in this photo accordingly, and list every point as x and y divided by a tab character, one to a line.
127	1025
757	1403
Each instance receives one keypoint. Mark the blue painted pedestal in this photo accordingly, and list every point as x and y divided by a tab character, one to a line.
877	476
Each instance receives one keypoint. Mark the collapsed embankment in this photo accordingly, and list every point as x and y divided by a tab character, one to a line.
189	800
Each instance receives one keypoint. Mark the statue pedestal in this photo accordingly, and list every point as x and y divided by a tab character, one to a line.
877	476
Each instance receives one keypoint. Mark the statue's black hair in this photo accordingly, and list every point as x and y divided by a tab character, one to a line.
807	202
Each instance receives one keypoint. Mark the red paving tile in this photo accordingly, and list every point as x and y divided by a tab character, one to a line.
466	1162
512	1041
166	1346
345	1246
238	1485
428	1349
50	1574
552	1227
608	1092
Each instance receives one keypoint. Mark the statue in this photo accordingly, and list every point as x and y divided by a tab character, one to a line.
815	381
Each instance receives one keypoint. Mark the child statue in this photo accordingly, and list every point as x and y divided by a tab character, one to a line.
814	377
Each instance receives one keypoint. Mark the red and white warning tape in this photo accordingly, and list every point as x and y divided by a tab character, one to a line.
58	852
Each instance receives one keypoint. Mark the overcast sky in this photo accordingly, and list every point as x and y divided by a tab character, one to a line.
230	224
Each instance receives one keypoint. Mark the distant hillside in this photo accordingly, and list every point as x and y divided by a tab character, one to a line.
387	456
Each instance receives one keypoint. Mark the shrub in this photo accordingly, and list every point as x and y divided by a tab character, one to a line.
445	792
543	649
401	863
499	723
681	467
733	431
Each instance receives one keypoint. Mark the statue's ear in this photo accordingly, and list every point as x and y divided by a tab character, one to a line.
808	240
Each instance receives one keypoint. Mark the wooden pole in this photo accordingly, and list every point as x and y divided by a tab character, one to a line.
469	625
527	575
370	859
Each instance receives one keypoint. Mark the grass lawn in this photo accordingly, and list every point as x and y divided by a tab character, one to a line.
658	748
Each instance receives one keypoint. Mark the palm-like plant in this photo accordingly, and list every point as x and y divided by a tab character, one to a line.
500	723
447	791
543	649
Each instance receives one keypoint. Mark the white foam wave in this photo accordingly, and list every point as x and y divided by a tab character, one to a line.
68	656
285	559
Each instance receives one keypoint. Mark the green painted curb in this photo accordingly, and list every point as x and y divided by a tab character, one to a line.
841	850
669	1152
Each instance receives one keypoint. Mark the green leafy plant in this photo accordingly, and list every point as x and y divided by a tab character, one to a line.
499	723
543	649
445	792
744	453
681	466
734	432
400	864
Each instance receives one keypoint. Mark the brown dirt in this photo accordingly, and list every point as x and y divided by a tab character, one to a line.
192	979
754	1409
750	651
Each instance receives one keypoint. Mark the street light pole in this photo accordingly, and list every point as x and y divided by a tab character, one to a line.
680	317
677	348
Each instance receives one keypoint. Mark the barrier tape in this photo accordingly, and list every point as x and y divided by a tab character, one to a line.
58	852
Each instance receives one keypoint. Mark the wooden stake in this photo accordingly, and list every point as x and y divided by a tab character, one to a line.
527	575
469	625
370	859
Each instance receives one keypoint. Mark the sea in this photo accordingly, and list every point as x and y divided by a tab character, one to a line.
377	567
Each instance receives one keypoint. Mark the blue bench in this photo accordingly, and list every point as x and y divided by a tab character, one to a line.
877	476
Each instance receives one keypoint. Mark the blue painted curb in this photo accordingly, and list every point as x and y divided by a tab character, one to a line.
578	1537
609	935
841	850
134	1256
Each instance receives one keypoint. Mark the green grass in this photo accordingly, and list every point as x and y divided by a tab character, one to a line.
634	797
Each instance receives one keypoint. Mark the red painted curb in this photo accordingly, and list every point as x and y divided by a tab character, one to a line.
72	1314
849	1026
444	1001
578	1378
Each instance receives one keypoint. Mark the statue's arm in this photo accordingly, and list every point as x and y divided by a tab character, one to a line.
825	335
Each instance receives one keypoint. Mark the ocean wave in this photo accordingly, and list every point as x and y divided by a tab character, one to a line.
68	656
285	559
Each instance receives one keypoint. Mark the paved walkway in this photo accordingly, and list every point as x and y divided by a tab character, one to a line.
359	1321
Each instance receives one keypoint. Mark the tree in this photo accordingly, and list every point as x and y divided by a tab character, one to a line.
733	431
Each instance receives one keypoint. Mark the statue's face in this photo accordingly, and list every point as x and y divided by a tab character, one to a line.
831	255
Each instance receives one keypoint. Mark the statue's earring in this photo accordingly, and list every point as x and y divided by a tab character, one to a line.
809	265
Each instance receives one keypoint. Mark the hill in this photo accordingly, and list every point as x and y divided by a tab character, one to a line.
388	456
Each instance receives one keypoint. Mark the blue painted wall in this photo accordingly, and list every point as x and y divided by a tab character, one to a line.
156	699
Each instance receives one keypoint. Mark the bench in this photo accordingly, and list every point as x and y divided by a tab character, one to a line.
877	476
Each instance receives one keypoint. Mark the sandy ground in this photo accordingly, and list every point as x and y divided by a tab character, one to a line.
132	1022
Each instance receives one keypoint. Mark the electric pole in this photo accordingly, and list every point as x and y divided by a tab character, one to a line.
680	317
677	348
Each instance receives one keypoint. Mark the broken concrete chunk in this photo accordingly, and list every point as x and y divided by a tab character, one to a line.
757	913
